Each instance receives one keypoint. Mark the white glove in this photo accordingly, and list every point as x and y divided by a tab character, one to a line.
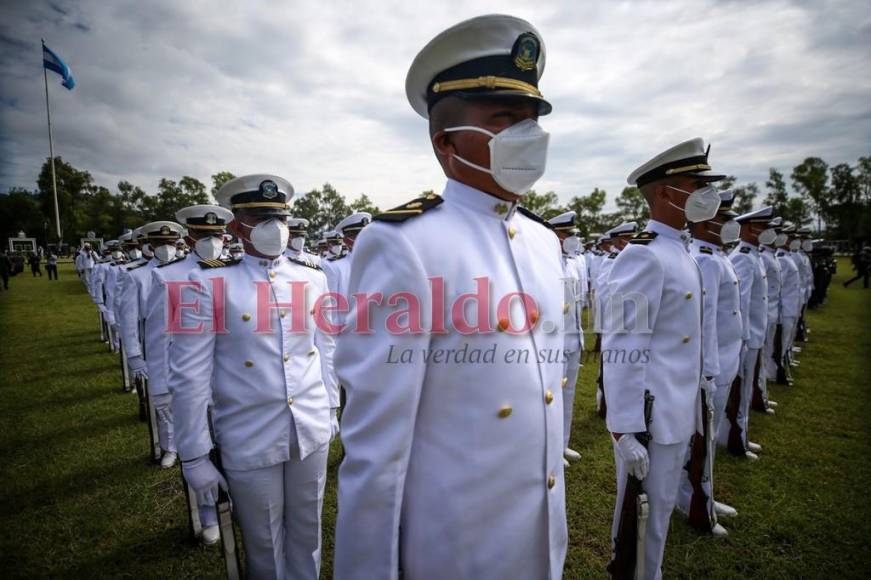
202	475
137	367
161	407
634	454
102	308
334	423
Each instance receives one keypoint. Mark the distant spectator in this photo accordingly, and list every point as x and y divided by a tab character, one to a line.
51	265
33	260
862	265
5	269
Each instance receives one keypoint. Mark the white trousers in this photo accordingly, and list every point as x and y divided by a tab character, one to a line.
661	486
790	324
746	370
279	510
572	367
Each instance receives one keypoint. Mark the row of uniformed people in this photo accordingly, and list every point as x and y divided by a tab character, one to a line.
494	433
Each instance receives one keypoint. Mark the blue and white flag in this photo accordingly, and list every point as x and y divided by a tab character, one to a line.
53	62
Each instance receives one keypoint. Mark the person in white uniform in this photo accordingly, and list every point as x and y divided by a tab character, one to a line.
338	270
574	280
722	334
298	228
752	282
205	226
252	349
134	287
454	467
652	344
768	368
790	296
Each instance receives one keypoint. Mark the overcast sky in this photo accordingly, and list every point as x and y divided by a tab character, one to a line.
315	91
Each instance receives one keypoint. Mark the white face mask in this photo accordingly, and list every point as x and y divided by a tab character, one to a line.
730	231
518	154
237	255
335	249
807	246
701	205
795	245
147	251
117	255
164	253
134	254
269	237
570	245
297	243
209	248
780	240
767	237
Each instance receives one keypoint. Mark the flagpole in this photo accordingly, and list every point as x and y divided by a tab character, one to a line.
51	152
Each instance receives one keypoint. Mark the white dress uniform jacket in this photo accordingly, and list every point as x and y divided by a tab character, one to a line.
454	469
338	271
773	279
754	293
657	346
575	280
135	285
790	293
269	388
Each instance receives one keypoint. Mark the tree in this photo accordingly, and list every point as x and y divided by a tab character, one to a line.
322	208
776	194
363	203
219	179
72	190
810	179
20	211
632	205
847	206
545	205
172	196
589	210
745	196
797	210
863	170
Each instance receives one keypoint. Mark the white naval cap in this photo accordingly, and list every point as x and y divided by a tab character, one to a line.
763	214
804	231
112	244
163	231
564	222
259	193
491	56
331	235
624	229
687	158
204	217
297	226
351	225
775	222
137	234
126	237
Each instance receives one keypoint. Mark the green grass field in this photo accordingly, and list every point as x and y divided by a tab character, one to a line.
80	499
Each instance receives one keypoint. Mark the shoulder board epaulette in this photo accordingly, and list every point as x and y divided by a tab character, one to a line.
613	255
706	250
533	216
644	237
780	253
409	210
745	249
303	262
134	266
170	262
206	264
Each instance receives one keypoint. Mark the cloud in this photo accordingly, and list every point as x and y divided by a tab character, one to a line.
315	91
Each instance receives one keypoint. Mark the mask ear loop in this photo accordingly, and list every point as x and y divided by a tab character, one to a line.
477	130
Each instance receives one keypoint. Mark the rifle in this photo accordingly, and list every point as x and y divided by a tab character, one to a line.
151	415
701	514
232	563
759	401
103	326
601	404
629	545
800	330
735	444
125	371
782	377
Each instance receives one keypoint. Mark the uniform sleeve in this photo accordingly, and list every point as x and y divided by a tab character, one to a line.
129	312
326	345
711	276
156	335
635	286
744	271
380	410
191	361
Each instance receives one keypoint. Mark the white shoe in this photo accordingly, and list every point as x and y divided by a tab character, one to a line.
168	460
796	349
724	510
772	404
751	456
754	447
210	535
565	462
571	454
769	411
719	531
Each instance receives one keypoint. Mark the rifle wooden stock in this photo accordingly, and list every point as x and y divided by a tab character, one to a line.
735	444
700	515
624	564
758	403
